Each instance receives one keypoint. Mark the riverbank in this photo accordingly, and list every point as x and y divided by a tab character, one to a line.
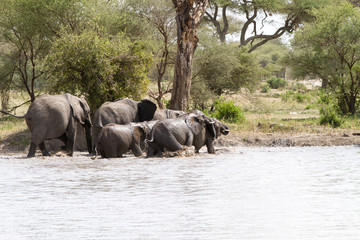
259	139
18	143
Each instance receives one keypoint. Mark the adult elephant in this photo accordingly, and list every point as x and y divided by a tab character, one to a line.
213	129
56	116
122	111
162	114
115	140
192	129
172	134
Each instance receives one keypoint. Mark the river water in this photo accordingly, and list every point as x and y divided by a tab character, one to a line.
242	193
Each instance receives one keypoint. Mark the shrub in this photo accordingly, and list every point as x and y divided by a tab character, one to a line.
329	116
301	97
265	88
276	83
227	110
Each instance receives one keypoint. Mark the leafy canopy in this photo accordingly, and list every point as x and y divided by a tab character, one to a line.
329	48
101	67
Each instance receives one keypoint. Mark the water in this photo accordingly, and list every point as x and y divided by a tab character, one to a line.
244	193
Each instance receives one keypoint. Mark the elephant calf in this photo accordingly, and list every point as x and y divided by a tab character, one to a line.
114	139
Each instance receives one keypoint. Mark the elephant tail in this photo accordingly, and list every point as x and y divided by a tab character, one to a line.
4	112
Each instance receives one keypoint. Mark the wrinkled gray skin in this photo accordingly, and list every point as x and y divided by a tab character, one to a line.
213	129
115	140
122	111
162	114
192	129
171	134
56	116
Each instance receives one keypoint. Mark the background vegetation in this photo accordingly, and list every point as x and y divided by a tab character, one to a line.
244	70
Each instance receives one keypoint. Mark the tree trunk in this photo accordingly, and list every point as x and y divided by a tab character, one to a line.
188	16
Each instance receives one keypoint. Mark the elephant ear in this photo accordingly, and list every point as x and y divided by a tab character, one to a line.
146	110
139	133
80	109
195	123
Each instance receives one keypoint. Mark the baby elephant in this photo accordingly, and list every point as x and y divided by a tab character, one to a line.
114	139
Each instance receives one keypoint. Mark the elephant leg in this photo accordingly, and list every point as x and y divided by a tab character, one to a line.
71	133
150	152
32	150
64	139
189	140
136	149
210	146
43	149
154	150
172	144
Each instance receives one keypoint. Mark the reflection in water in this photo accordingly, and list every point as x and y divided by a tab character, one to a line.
249	193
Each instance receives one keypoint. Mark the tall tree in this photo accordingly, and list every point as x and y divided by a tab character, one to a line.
329	49
188	17
27	28
258	15
160	16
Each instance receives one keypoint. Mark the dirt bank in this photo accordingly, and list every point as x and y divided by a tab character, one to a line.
234	139
335	138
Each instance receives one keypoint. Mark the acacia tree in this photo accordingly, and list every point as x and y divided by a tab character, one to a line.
188	17
159	14
257	14
329	49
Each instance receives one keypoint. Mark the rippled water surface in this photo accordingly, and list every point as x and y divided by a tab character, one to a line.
246	193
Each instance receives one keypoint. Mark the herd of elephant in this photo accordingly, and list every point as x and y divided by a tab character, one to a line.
118	126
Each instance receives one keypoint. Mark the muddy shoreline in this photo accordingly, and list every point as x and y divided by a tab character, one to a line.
234	139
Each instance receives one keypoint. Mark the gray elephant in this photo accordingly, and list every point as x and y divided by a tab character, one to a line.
115	140
122	111
56	116
192	129
162	114
213	129
172	134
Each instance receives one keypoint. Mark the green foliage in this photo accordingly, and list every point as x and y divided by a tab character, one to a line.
329	110
295	96
221	69
329	48
265	88
298	87
101	67
225	68
330	116
269	58
276	83
228	111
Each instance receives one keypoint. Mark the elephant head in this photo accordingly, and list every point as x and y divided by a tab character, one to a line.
146	110
81	112
216	128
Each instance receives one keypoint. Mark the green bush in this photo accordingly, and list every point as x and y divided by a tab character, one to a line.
330	116
301	97
265	88
276	83
228	111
